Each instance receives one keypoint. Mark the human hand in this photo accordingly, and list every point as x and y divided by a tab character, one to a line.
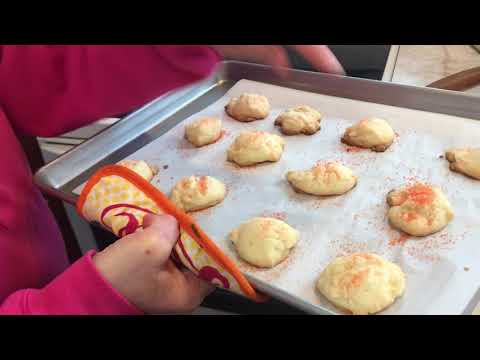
319	56
140	268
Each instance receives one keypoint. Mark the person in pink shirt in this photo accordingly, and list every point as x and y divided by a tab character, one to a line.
48	90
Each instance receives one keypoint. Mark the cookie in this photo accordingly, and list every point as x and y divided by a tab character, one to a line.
254	147
140	167
465	161
362	283
196	193
299	120
419	209
204	131
248	107
264	242
323	179
371	133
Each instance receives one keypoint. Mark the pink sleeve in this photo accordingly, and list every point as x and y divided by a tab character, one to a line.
80	290
51	89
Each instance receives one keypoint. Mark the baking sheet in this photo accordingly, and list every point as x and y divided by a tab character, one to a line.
442	276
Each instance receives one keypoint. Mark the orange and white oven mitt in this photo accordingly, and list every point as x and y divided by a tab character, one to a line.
119	196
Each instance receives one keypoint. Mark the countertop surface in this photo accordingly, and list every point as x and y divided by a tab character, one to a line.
421	65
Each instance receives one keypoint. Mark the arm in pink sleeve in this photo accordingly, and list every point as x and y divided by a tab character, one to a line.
79	290
51	89
48	90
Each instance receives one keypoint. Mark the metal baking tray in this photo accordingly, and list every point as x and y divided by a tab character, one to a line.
60	177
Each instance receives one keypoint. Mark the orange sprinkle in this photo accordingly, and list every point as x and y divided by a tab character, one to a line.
410	216
354	280
358	278
363	256
421	194
202	184
398	241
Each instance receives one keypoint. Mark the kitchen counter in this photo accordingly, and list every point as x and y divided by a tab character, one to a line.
416	65
421	65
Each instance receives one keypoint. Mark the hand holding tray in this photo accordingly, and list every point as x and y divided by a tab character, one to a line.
119	198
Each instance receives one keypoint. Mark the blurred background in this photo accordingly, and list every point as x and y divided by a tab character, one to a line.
363	61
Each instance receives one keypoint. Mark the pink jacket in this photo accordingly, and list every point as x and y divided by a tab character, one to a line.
46	91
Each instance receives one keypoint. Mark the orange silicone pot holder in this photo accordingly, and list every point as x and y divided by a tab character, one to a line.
118	199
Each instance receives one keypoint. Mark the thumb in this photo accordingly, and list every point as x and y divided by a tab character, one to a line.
162	232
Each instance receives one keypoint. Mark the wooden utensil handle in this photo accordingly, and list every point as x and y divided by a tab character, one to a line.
461	81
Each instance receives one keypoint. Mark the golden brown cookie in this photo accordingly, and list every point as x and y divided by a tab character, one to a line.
465	161
299	120
371	133
204	131
248	107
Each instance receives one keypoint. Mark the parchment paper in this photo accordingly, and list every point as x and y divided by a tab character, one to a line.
443	270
